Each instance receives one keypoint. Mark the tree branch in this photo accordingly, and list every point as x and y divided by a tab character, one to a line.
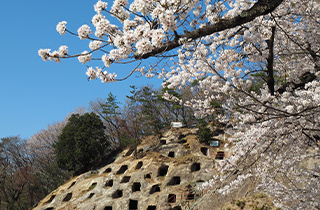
262	7
270	78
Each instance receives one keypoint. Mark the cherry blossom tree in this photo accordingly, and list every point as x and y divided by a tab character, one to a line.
260	57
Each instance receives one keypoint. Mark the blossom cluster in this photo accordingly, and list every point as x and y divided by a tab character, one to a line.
61	27
84	31
85	57
45	54
103	75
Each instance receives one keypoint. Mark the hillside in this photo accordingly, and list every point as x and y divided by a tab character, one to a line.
163	174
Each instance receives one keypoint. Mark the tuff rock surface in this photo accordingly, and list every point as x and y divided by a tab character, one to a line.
161	174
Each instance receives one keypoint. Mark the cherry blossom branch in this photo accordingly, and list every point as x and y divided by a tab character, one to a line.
262	7
130	73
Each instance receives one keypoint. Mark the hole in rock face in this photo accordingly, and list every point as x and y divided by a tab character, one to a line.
176	208
139	165
140	150
171	154
147	176
51	198
133	204
109	183
49	208
190	196
129	152
174	181
117	194
220	156
172	198
182	141
91	194
93	185
163	142
108	170
71	185
204	151
136	187
195	167
181	136
154	188
122	169
125	179
68	197
163	170
108	208
152	208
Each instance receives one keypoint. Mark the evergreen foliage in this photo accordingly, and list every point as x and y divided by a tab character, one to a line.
82	143
205	134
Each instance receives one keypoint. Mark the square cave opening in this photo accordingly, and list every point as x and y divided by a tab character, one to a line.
174	181
204	151
133	204
68	197
172	198
220	155
171	154
125	179
108	170
154	188
195	167
122	169
117	194
109	183
139	165
136	187
163	170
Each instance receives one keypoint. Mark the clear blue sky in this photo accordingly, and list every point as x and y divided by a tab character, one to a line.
34	93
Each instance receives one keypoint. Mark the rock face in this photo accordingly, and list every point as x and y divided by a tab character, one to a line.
161	175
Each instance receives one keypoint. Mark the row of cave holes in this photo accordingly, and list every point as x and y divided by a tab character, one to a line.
69	195
124	168
204	150
133	204
137	187
219	156
180	138
155	207
163	169
130	151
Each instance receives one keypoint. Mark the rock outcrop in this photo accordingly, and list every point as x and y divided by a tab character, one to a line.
161	174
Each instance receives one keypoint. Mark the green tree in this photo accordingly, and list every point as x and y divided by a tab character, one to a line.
82	143
150	109
205	134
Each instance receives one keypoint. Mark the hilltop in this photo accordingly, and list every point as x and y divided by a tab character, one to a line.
163	172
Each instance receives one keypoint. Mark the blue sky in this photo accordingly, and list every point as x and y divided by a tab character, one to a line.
34	93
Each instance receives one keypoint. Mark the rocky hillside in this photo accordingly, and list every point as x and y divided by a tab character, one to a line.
162	174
